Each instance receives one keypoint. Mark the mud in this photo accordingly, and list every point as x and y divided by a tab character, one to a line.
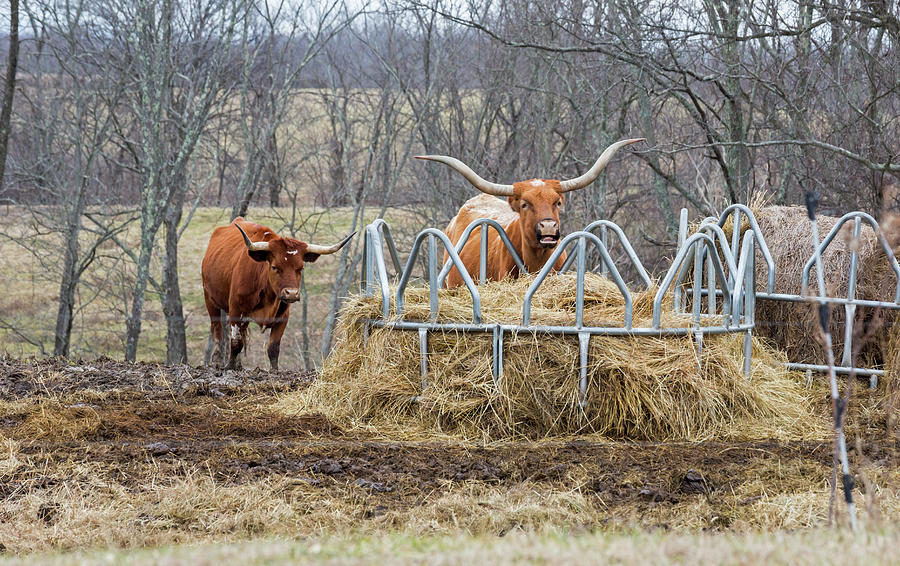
103	422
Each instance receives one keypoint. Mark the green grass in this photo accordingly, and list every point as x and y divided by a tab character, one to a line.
820	546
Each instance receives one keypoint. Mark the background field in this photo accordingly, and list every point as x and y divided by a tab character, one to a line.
29	273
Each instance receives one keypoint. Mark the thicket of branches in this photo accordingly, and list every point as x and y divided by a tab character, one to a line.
132	112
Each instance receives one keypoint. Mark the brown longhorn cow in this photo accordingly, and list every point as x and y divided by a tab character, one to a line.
530	218
251	274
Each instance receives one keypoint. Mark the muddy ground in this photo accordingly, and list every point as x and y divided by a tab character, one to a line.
108	423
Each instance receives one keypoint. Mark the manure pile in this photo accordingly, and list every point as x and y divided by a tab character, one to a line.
640	388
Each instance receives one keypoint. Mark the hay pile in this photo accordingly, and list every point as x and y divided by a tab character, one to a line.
639	388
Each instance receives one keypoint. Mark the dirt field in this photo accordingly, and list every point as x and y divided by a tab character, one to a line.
102	453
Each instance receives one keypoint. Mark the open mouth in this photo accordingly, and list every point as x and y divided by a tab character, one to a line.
549	241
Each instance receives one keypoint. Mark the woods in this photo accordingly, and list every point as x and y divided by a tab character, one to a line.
128	116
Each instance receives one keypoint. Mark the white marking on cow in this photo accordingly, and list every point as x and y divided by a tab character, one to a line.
487	206
235	332
292	252
537	183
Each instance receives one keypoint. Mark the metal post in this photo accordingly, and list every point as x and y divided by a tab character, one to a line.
482	261
423	356
584	341
497	366
604	269
850	308
698	280
580	264
432	277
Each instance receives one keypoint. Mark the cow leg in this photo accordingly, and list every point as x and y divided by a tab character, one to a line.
215	351
236	328
275	342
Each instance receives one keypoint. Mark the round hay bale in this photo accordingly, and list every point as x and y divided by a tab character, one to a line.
640	388
794	327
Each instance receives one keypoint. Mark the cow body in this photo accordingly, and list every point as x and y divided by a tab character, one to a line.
253	276
500	263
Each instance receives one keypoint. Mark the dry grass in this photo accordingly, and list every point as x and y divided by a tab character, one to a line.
639	387
193	507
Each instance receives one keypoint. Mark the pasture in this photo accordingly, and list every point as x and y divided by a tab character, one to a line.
108	461
30	273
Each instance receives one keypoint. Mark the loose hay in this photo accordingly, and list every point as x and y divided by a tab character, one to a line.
640	388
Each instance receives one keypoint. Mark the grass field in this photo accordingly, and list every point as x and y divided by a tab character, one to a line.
32	281
814	547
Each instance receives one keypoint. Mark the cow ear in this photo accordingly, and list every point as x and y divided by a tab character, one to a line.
257	255
515	203
310	257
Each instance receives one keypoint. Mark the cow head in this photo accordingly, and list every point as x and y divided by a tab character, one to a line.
286	258
537	201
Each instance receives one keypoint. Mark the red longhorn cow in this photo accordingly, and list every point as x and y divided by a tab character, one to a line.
532	224
252	274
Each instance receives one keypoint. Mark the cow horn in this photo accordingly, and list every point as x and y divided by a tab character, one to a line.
253	246
325	250
495	189
599	165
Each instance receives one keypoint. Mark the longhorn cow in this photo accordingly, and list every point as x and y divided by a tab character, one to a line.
252	274
530	219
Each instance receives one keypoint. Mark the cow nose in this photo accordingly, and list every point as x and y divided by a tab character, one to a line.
289	295
548	227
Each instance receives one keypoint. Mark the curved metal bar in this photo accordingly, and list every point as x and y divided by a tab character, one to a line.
742	276
431	234
626	245
676	267
579	303
723	242
464	238
373	259
760	240
382	227
862	216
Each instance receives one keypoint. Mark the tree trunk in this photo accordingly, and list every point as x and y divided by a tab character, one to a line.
272	174
133	322
9	86
176	340
66	309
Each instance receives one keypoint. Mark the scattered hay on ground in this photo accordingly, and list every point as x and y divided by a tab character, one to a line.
639	387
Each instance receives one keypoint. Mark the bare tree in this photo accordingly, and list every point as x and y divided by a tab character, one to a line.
71	126
9	84
178	57
278	45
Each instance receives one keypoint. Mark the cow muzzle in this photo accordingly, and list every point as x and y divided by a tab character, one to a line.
547	232
289	295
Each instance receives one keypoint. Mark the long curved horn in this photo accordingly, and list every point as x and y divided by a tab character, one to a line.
599	165
325	250
253	246
488	187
